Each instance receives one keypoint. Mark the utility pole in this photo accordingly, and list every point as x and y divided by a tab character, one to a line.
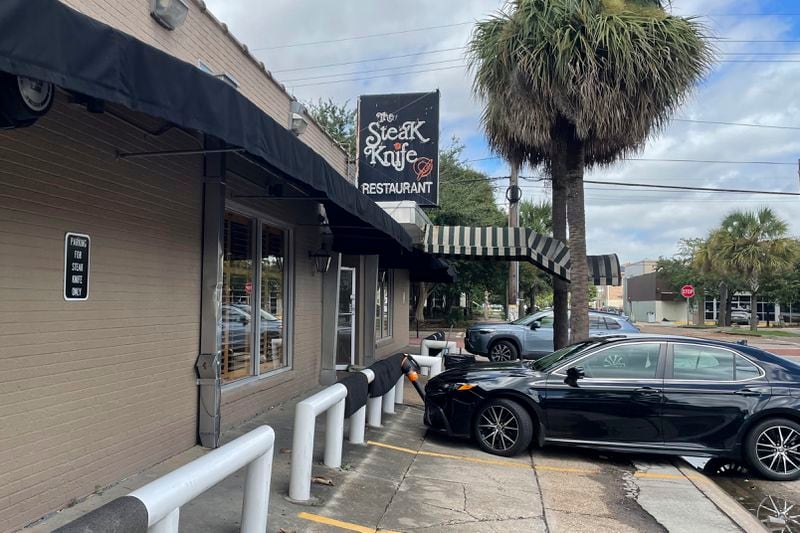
513	197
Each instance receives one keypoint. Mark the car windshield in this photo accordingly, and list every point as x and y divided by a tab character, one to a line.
526	320
554	358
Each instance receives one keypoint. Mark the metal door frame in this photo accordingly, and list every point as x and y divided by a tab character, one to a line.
353	314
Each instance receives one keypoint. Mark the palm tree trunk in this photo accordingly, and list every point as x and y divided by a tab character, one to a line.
753	309
700	317
422	297
722	308
560	287
579	271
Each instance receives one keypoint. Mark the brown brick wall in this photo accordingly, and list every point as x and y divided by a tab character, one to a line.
202	37
93	391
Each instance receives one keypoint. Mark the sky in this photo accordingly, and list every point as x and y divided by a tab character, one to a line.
752	83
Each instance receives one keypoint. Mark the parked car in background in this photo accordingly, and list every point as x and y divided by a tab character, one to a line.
740	316
531	337
644	394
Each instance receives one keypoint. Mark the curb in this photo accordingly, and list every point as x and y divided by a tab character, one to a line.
724	502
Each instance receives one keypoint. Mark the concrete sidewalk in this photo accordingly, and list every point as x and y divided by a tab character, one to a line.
407	480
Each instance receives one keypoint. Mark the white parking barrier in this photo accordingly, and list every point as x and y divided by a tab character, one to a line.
164	497
374	407
331	400
433	363
427	344
388	401
398	390
359	418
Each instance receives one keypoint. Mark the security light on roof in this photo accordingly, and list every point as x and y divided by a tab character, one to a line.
169	13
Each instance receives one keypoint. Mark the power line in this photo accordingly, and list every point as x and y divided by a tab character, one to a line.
745	124
379	76
658	160
442	50
360	72
464	66
427	52
358	37
684	187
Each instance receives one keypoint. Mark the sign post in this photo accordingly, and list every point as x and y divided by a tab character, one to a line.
687	291
398	147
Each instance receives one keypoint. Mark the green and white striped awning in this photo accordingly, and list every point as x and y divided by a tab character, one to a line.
515	244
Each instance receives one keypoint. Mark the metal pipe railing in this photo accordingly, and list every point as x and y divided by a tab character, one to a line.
358	420
164	497
330	399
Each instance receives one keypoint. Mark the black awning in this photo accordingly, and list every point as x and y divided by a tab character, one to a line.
48	41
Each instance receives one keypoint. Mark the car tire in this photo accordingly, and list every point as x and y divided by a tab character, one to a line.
723	467
514	434
503	351
772	446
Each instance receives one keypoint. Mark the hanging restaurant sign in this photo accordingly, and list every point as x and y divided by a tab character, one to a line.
398	147
76	266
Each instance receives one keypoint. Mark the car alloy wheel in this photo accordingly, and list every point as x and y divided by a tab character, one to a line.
498	428
778	450
502	351
779	515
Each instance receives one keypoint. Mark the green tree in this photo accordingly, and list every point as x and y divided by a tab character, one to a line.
783	289
579	83
533	281
338	121
466	198
753	245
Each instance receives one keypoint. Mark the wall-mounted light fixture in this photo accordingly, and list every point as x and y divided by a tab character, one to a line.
169	13
321	259
297	119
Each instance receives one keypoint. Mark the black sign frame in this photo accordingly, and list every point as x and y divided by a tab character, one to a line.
398	147
77	257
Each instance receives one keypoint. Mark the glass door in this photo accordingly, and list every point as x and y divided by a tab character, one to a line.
345	319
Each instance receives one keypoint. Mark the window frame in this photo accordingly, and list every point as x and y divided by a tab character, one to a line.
668	372
379	320
660	369
257	220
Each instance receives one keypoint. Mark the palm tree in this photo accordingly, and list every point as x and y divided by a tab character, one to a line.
751	244
581	83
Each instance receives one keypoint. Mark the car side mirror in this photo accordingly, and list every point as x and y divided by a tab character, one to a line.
244	320
573	375
535	325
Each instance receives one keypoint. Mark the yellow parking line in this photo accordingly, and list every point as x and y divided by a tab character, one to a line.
507	464
651	475
340	524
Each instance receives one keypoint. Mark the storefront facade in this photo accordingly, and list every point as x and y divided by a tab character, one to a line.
190	252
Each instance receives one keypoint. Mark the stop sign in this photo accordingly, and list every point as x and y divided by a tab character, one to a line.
687	291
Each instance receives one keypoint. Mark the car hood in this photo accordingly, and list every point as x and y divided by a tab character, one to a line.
481	371
486	325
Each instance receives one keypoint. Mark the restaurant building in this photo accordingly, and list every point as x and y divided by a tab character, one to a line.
165	202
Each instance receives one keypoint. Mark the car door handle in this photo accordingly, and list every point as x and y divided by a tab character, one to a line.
749	392
647	390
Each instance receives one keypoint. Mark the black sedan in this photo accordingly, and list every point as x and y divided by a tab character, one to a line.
666	395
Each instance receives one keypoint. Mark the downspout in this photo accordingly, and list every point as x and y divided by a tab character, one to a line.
208	362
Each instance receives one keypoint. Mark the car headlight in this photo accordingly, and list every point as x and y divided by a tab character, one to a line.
458	386
486	331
